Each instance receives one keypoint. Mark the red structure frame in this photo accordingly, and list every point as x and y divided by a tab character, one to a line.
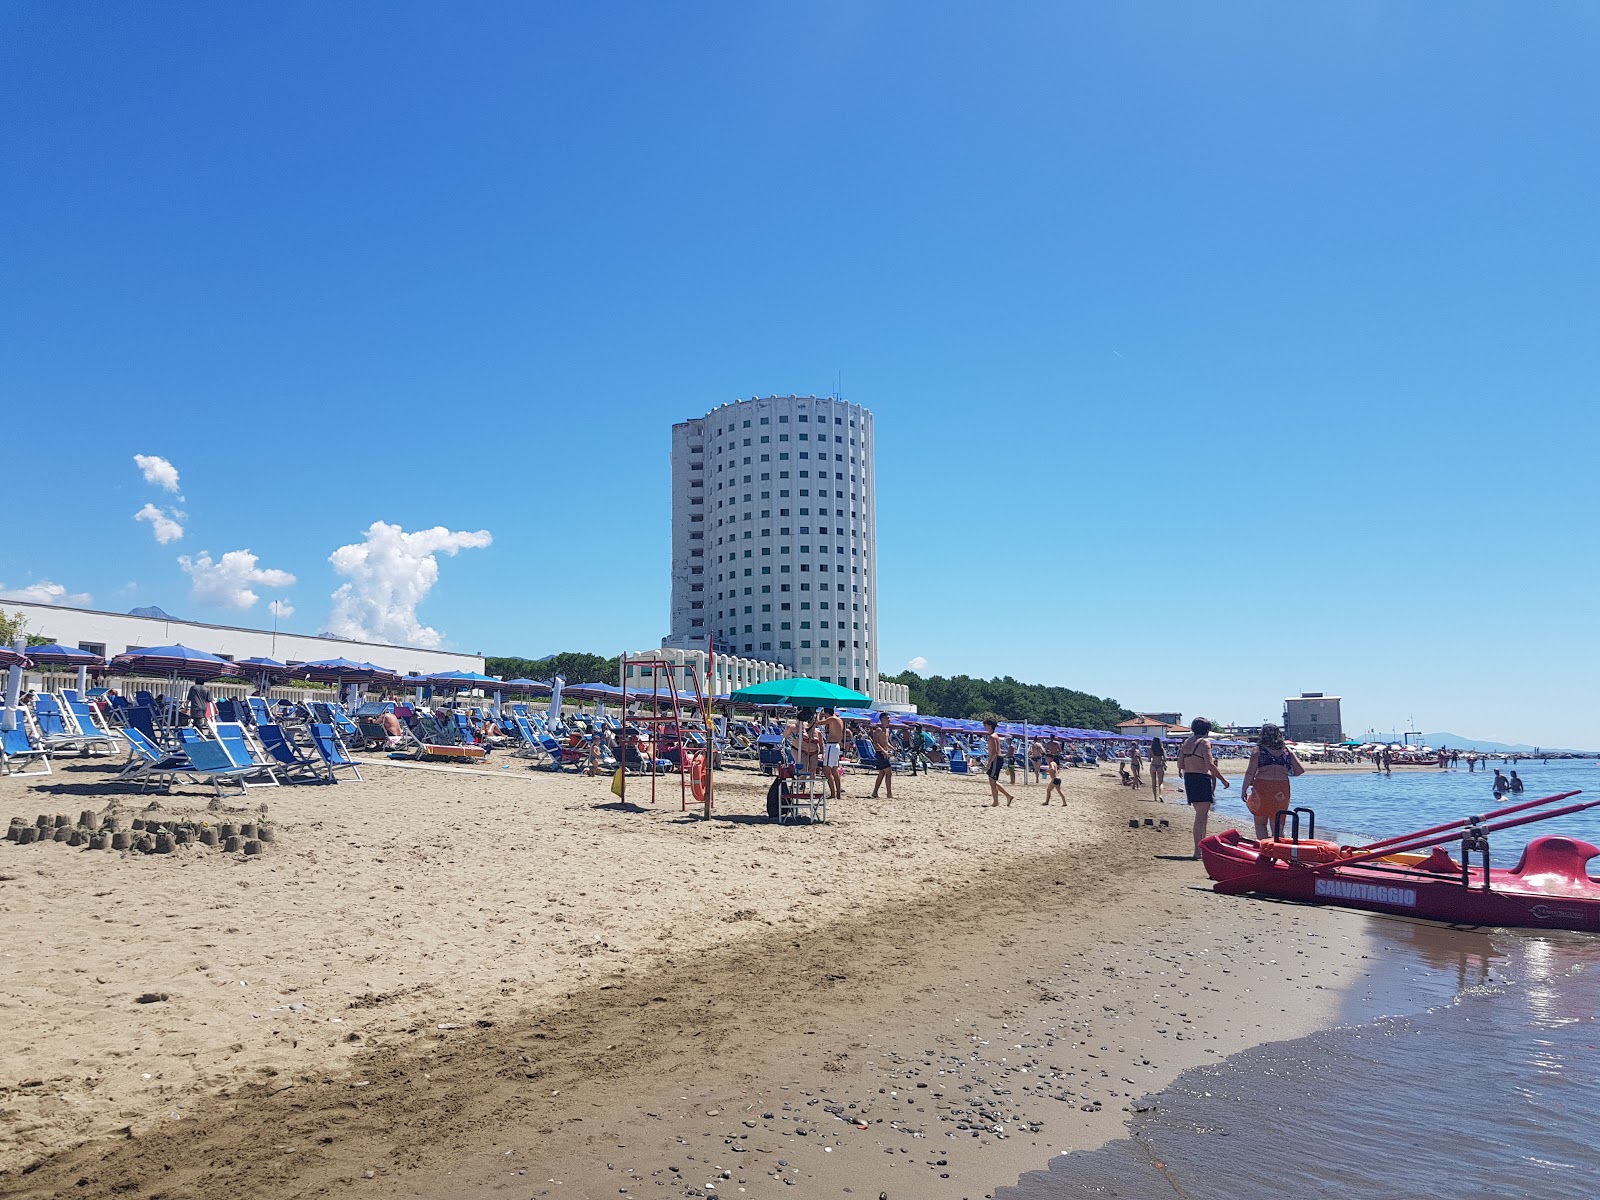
658	719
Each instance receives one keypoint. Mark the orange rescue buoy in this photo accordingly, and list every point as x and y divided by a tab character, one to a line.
1306	850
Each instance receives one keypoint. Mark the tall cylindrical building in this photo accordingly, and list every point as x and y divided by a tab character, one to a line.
774	547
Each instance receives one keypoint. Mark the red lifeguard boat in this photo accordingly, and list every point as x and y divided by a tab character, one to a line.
1413	875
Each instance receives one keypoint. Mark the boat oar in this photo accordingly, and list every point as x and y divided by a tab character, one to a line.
1440	840
1462	821
1248	883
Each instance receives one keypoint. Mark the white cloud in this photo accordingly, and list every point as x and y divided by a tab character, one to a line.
281	609
390	573
157	470
45	592
163	526
917	664
228	582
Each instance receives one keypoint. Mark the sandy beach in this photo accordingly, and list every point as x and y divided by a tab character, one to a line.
500	981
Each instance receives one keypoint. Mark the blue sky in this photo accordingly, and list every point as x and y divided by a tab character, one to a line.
1218	352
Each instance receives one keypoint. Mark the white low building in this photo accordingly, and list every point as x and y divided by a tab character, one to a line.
731	673
109	634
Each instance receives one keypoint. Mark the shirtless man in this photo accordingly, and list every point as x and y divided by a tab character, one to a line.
996	761
881	758
393	730
832	747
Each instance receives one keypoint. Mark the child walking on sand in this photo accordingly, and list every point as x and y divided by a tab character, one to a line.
1053	767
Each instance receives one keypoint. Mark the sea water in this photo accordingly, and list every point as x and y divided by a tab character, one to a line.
1352	803
1484	1082
1495	1092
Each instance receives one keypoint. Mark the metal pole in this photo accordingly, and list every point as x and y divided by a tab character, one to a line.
711	728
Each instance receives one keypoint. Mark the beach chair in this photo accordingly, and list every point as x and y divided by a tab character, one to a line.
288	759
326	713
143	718
148	763
51	723
958	760
369	721
88	722
258	712
18	748
531	744
243	751
325	741
209	762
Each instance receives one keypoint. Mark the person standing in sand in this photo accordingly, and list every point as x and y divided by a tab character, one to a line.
1158	767
1136	764
1052	767
832	748
995	763
881	758
1266	780
1200	776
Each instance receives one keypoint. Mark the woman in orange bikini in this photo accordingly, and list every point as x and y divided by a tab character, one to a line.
1266	779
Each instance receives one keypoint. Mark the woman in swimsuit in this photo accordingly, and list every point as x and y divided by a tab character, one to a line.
1200	776
1266	779
1158	766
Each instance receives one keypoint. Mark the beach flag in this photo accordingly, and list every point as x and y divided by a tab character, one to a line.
555	696
616	783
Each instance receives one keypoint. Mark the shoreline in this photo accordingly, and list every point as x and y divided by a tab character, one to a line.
665	967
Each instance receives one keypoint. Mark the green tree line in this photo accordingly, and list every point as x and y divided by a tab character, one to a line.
572	665
964	697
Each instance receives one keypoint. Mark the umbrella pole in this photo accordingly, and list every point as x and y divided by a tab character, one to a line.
8	718
711	729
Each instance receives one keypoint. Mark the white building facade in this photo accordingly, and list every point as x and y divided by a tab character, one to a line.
110	634
774	537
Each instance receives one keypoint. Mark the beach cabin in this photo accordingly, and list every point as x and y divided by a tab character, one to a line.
1143	727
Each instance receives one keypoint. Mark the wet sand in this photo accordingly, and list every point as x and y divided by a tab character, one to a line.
441	983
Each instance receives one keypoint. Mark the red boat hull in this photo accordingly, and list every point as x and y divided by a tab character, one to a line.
1549	889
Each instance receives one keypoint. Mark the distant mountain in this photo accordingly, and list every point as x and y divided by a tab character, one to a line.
1456	742
150	610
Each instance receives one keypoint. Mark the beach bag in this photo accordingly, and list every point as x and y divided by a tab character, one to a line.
616	783
775	797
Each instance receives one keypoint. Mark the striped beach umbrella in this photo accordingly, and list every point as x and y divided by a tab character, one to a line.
337	671
175	662
264	670
56	655
10	658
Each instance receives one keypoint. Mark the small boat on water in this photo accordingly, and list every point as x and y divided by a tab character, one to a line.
1414	875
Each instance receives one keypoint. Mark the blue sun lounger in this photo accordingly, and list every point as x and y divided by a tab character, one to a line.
148	763
208	760
242	753
18	748
289	758
332	752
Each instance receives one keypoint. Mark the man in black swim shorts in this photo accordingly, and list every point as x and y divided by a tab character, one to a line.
996	761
